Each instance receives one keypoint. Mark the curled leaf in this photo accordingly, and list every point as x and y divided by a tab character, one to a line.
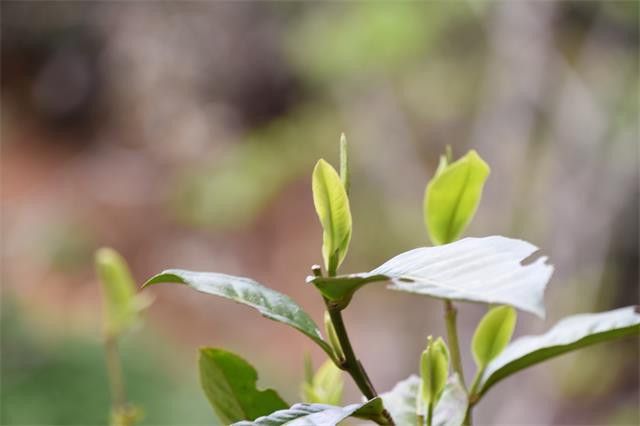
452	196
332	205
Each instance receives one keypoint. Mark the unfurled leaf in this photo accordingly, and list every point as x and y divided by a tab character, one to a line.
452	197
268	302
320	414
230	385
325	386
121	303
450	410
332	205
487	270
569	334
434	370
493	334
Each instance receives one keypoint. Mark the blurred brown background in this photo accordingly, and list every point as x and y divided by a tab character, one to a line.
183	134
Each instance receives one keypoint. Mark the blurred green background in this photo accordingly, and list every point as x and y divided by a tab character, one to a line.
183	134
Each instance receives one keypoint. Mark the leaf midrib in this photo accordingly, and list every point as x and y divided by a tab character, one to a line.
457	203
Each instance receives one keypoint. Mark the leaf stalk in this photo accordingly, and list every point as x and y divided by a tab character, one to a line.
450	317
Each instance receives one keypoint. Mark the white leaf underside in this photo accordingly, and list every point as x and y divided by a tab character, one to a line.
485	270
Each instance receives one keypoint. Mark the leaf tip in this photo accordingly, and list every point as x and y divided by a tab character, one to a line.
167	276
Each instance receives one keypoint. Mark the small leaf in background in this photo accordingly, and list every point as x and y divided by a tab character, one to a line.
449	411
270	303
121	303
332	205
452	196
320	415
230	385
325	386
493	334
488	270
434	370
567	335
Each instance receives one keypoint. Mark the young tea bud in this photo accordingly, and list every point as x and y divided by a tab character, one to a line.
332	336
434	370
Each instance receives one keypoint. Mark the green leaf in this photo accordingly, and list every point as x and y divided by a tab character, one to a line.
452	197
401	402
569	334
493	334
342	287
230	385
332	205
270	303
325	387
320	414
434	370
121	303
487	270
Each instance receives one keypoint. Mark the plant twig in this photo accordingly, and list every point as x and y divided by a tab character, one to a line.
450	317
114	371
351	364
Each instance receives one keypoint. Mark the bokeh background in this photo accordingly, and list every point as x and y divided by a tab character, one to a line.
183	134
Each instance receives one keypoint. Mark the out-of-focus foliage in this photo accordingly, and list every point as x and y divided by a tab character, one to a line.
186	130
325	386
49	379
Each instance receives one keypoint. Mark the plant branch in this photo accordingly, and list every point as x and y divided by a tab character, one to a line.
473	397
450	317
114	371
351	364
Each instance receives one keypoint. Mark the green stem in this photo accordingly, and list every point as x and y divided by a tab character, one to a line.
350	363
468	419
114	371
450	317
430	414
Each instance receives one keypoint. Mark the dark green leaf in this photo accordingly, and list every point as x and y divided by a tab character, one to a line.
332	205
319	414
452	197
268	302
487	270
230	385
569	334
492	334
